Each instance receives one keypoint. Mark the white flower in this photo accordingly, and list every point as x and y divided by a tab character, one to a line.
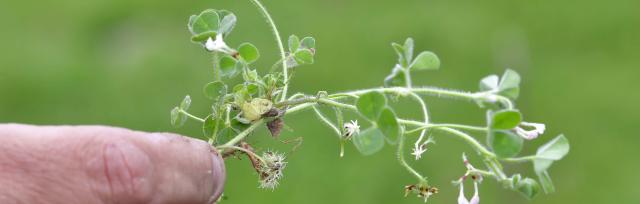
421	147
538	129
350	129
217	45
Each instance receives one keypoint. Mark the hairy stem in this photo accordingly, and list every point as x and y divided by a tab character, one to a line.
404	162
276	34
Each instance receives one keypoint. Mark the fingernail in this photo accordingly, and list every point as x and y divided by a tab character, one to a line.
217	169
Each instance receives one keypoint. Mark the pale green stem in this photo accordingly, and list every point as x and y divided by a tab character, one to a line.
425	112
191	116
216	66
520	159
244	133
326	120
421	90
276	34
404	162
455	126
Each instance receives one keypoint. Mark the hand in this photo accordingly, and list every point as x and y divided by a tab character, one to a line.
97	164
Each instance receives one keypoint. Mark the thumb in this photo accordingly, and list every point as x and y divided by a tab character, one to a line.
97	164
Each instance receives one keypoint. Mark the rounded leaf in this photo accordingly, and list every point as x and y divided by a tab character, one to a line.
227	24
308	42
505	144
294	43
506	119
369	141
554	150
209	126
303	56
204	25
213	90
528	187
388	124
510	84
371	104
248	52
425	61
228	66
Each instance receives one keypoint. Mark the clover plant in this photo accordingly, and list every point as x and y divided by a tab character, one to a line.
262	100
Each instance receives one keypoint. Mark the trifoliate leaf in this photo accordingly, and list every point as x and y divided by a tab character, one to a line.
369	141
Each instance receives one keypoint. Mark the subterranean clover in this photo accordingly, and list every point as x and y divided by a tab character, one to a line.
261	100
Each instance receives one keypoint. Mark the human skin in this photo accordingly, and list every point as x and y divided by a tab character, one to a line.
99	164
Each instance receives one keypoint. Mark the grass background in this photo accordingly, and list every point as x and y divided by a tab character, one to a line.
128	62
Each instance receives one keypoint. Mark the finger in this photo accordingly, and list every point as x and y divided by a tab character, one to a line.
96	164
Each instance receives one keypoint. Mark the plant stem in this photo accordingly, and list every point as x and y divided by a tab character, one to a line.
244	133
404	162
223	147
276	34
519	159
421	90
326	120
191	116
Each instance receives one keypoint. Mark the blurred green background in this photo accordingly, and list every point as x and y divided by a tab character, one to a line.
128	62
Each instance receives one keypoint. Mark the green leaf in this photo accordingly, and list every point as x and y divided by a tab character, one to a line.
388	124
369	141
552	151
186	103
209	126
506	119
252	88
177	118
248	52
528	187
227	24
228	66
505	143
425	61
555	149
408	49
402	59
204	25
371	104
304	56
396	78
489	83
213	90
545	180
308	42
225	135
509	84
294	43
